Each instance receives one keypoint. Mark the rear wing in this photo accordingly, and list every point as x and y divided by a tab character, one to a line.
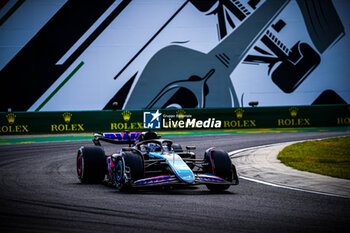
116	138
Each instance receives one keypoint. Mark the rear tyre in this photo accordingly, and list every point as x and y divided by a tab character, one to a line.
219	164
91	164
129	168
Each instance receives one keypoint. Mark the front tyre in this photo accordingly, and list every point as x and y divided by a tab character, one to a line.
128	168
91	164
120	176
219	164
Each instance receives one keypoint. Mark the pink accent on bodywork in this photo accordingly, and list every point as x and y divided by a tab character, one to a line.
211	160
157	177
112	164
79	162
210	177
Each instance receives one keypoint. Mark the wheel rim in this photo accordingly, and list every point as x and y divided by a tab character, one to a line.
119	171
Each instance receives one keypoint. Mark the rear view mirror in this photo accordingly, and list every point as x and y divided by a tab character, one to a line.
190	147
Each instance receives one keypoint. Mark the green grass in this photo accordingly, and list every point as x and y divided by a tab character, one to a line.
329	157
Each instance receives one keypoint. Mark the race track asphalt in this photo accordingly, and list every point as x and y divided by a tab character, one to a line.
39	192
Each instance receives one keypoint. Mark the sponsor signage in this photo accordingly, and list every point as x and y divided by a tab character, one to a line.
126	122
174	119
294	120
12	126
345	119
238	120
67	126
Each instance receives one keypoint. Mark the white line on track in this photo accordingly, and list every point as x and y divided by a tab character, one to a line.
232	155
291	188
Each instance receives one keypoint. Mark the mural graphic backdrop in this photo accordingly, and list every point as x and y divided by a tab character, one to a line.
86	55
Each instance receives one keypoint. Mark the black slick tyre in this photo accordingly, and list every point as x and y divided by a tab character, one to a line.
128	168
91	165
219	164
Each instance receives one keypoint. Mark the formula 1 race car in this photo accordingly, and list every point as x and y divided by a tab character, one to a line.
152	161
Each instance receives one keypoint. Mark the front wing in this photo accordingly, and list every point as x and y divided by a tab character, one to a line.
173	180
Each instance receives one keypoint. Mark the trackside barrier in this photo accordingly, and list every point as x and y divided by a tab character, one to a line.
174	119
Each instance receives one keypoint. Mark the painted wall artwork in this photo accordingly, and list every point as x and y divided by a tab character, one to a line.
58	55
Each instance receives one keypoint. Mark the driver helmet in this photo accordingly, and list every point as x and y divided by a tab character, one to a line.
143	148
166	148
152	147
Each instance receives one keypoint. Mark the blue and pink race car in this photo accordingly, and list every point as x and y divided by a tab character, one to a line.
152	161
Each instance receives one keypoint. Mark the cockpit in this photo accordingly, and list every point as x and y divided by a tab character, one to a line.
155	146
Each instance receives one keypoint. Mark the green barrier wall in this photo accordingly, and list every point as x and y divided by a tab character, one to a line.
184	119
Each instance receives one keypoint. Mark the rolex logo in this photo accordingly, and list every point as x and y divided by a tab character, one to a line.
67	127
126	115
180	114
11	118
239	113
67	117
293	111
